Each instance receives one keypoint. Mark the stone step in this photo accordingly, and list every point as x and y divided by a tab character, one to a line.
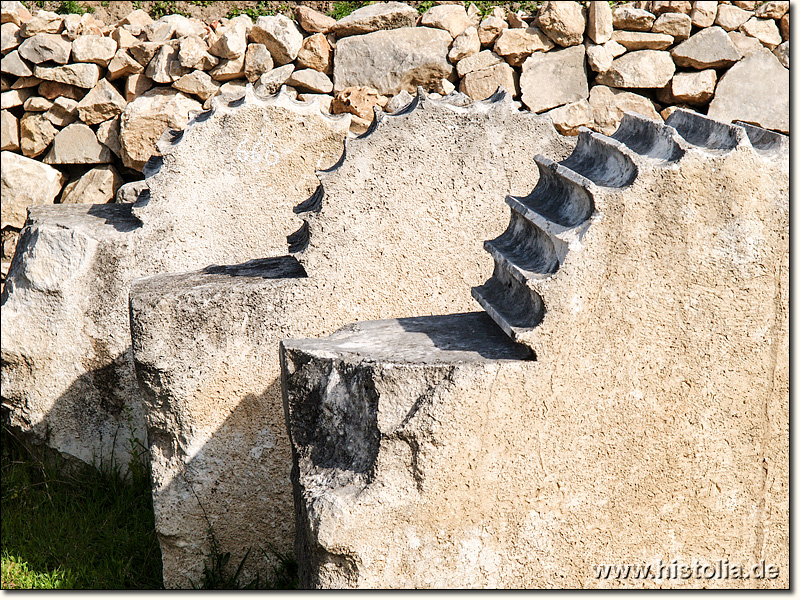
649	138
602	160
706	133
515	307
763	140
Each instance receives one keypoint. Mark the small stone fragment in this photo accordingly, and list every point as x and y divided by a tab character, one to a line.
26	82
659	7
144	52
25	182
159	31
309	80
608	106
481	84
466	44
773	10
122	65
37	104
563	22
358	100
324	100
63	112
744	43
450	17
185	26
693	88
489	29
640	40
375	17
9	131
103	102
194	54
600	23
785	26
730	17
782	52
632	19
516	45
136	85
764	30
83	75
78	25
94	49
315	53
708	49
108	134
281	37
568	119
53	89
46	47
554	78
678	25
10	37
124	38
598	57
77	144
198	83
97	186
44	22
398	101
745	4
271	81
13	64
313	21
704	13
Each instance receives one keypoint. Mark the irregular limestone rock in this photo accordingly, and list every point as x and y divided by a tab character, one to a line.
552	79
710	48
193	54
198	83
231	41
281	37
309	80
228	69
704	13
393	60
490	28
764	30
94	49
9	131
271	81
466	44
165	67
316	53
568	119
257	61
122	65
45	21
782	53
25	182
145	119
26	82
53	90
102	103
482	60
242	168
481	84
13	64
97	186
82	75
13	98
516	45
610	105
77	144
678	25
640	40
357	101
773	10
755	90
313	21
108	135
744	43
377	207
10	37
145	51
46	47
375	17
600	24
36	104
640	69
450	17
693	88
136	85
785	26
730	17
36	133
135	21
14	12
63	112
562	22
632	19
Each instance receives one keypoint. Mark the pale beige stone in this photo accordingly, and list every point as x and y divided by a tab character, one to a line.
309	80
194	54
563	22
632	19
358	101
271	81
63	112
775	9
13	98
281	37
77	144
678	25
659	7
230	42
785	26
640	40
166	67
103	102
26	82
450	17
515	45
745	4
44	22
13	64
10	37
124	38
25	182
78	25
489	30
46	47
782	53
315	53
764	30
159	31
600	24
37	104
476	62
554	78
98	185
598	57
136	85
482	83
516	20
466	44
375	17
313	21
94	49
639	69
710	48
609	105
704	13
135	21
82	75
324	100
122	65
694	88
744	43
143	52
9	131
568	119
36	133
108	135
14	12
730	17
228	69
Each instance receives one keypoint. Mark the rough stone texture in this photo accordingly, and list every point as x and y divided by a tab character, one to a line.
782	53
9	131
704	12
194	54
476	62
764	30
466	44
375	17
13	64
658	7
53	90
677	25
96	186
281	37
399	101
82	75
600	57
94	49
693	88
102	103
13	98
562	22
731	17
108	134
426	455
489	29
744	43
600	24
271	81
710	48
568	119
755	90
198	83
77	283
77	144
378	208
36	133
773	10
230	42
46	47
37	104
122	65
257	61
481	84
313	21
393	60
552	79
26	82
640	69
136	85
25	182
145	51
165	67
145	119
640	40
785	26
14	12
10	37
228	69
44	22
316	53
357	101
450	17
63	112
309	80
516	45
609	106
632	19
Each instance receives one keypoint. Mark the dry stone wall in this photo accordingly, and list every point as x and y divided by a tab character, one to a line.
90	99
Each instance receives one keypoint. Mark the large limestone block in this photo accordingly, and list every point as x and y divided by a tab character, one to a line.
393	60
552	79
103	102
315	53
640	40
411	199
710	48
375	17
754	90
77	144
640	69
632	19
145	119
562	22
45	47
14	12
26	182
280	35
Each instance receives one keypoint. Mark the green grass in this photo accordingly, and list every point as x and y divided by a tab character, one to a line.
261	9
163	8
75	529
71	7
342	9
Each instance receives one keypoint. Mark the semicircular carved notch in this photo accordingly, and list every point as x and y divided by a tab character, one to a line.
649	138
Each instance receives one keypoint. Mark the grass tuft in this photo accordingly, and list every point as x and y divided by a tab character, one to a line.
342	9
70	7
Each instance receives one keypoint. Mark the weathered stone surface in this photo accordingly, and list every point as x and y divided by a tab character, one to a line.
108	135
782	53
159	31
257	61
476	62
82	75
10	37
704	13
193	54
147	117
135	21
710	48
46	47
228	69
185	26
77	25
36	133
731	17
515	45
9	131
281	37
323	100
375	17
450	17
745	4
481	84
54	89
640	69
555	78
568	119
96	186
393	60
677	25
489	29
600	57
659	7
562	22
124	38
136	85
357	101
25	182
466	44
198	83
744	43
398	101
13	98
773	10
14	12
122	65
609	106
600	24
309	80
271	81
144	52
764	30
316	53
693	88
313	21
77	144
166	65
94	49
26	82
63	112
13	64
102	103
44	22
640	40
785	26
37	104
231	41
632	19
754	90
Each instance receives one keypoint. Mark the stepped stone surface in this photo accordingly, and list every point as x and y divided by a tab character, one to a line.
72	273
26	182
394	60
375	17
426	454
371	210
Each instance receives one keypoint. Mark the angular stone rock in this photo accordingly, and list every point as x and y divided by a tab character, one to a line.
600	24
693	88
271	81
562	22
678	25
37	104
481	84
198	83
14	12
598	57
13	98
393	60
108	135
357	101
185	26
103	102
144	52
704	13
46	47
44	22
398	101
466	44
78	25
450	17
764	30
13	64
609	105
135	21
194	54
659	7
710	48
568	119
63	112
82	75
489	29
773	10
166	66
309	80
231	41
640	40
782	53
159	31
136	85
10	37
323	100
552	79
122	65
36	133
515	45
785	26
53	89
640	69
280	36
26	82
754	90
632	19
228	69
730	17
94	49
313	21
96	186
482	60
375	17
9	131
316	53
744	43
77	144
124	38
25	182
